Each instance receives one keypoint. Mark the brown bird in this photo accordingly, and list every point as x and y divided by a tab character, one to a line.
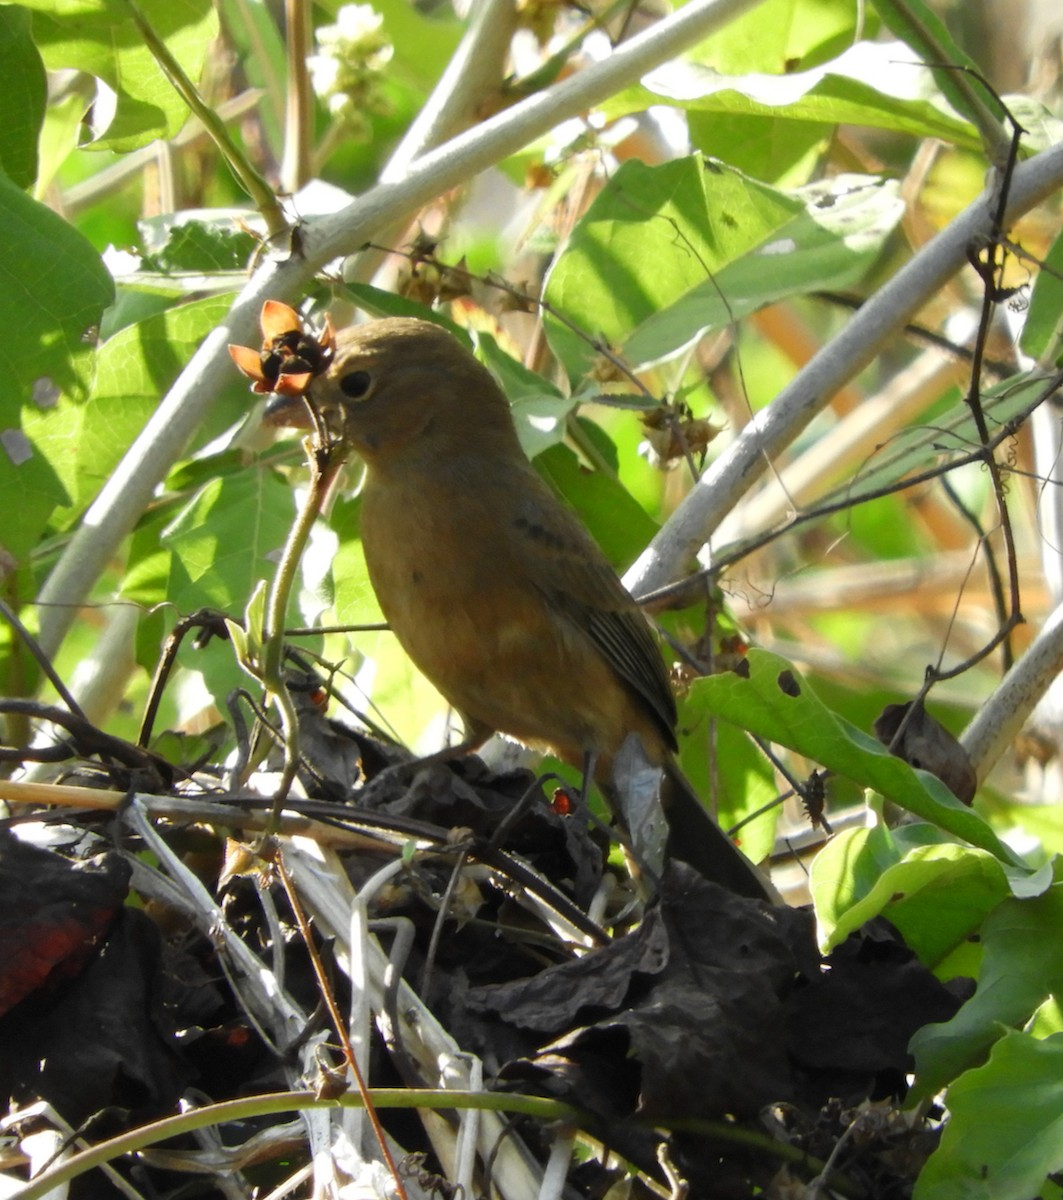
493	587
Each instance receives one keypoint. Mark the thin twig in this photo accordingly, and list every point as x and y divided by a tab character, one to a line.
256	187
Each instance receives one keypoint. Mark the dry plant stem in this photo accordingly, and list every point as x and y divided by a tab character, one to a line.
1008	609
1008	616
250	180
131	486
340	915
269	1005
869	332
338	1025
163	668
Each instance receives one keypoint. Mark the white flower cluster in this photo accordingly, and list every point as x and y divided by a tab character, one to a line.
352	53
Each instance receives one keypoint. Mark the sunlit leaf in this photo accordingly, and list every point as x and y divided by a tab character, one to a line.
25	93
101	38
1005	1133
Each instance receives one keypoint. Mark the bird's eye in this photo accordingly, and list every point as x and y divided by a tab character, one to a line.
355	384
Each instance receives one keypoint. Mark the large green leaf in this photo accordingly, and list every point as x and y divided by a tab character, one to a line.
135	368
228	538
1004	1136
819	97
1022	966
784	36
769	148
936	892
653	235
31	489
25	96
53	290
101	38
830	244
619	524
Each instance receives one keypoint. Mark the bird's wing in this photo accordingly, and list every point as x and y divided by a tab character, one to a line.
574	574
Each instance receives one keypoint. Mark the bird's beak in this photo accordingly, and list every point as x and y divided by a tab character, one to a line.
286	412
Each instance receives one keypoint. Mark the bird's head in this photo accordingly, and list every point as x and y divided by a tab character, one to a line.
395	387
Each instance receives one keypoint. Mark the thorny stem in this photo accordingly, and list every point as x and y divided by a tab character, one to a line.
253	183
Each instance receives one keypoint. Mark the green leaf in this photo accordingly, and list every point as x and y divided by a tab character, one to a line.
541	421
355	603
955	72
101	38
723	763
30	488
176	245
227	539
1004	1135
53	290
25	97
619	525
935	892
770	148
831	244
379	303
652	235
1042	332
783	36
254	621
85	441
818	97
539	409
776	703
58	139
1022	966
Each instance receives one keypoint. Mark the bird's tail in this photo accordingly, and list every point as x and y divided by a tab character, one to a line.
695	838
